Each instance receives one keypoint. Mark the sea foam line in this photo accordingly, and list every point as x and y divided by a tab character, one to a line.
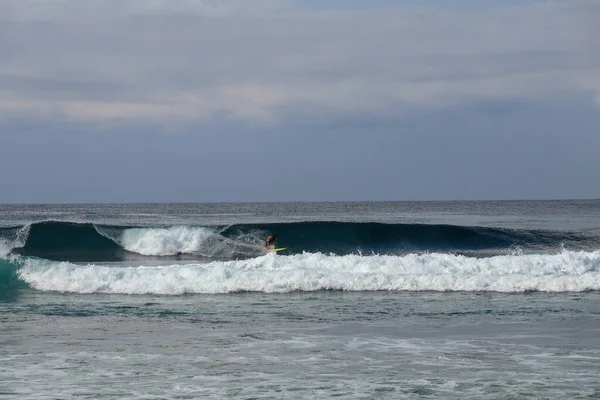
564	272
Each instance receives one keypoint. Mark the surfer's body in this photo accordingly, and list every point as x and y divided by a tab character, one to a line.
271	243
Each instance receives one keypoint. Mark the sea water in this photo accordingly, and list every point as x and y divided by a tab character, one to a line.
371	300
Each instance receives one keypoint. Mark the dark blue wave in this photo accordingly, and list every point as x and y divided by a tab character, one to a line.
343	238
68	241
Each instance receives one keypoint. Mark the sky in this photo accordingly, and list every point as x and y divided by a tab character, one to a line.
281	100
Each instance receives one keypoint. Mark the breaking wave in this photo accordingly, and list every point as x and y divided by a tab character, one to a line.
67	241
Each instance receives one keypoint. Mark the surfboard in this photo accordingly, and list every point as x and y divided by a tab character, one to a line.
276	250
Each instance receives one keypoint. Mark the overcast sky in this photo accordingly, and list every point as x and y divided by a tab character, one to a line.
284	100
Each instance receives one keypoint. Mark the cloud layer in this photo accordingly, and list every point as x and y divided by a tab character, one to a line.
264	62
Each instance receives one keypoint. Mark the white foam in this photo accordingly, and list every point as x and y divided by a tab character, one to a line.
166	241
564	272
16	239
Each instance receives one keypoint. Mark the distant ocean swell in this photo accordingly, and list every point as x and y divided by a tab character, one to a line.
567	271
66	241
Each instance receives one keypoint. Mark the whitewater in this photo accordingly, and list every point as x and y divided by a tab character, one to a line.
564	272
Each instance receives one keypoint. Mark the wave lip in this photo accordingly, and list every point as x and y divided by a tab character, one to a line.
564	272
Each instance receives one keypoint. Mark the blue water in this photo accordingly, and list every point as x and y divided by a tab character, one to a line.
478	300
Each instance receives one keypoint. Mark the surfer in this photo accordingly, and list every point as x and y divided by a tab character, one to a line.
271	243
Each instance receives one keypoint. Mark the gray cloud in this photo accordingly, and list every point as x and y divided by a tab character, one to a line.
263	62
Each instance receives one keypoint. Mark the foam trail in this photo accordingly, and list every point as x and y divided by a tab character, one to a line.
565	272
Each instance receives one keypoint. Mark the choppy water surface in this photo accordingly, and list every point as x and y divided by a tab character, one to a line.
366	344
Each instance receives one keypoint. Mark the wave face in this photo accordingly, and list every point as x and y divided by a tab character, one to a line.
65	241
68	241
347	238
567	271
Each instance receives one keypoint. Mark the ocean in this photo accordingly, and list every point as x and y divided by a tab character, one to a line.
401	300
